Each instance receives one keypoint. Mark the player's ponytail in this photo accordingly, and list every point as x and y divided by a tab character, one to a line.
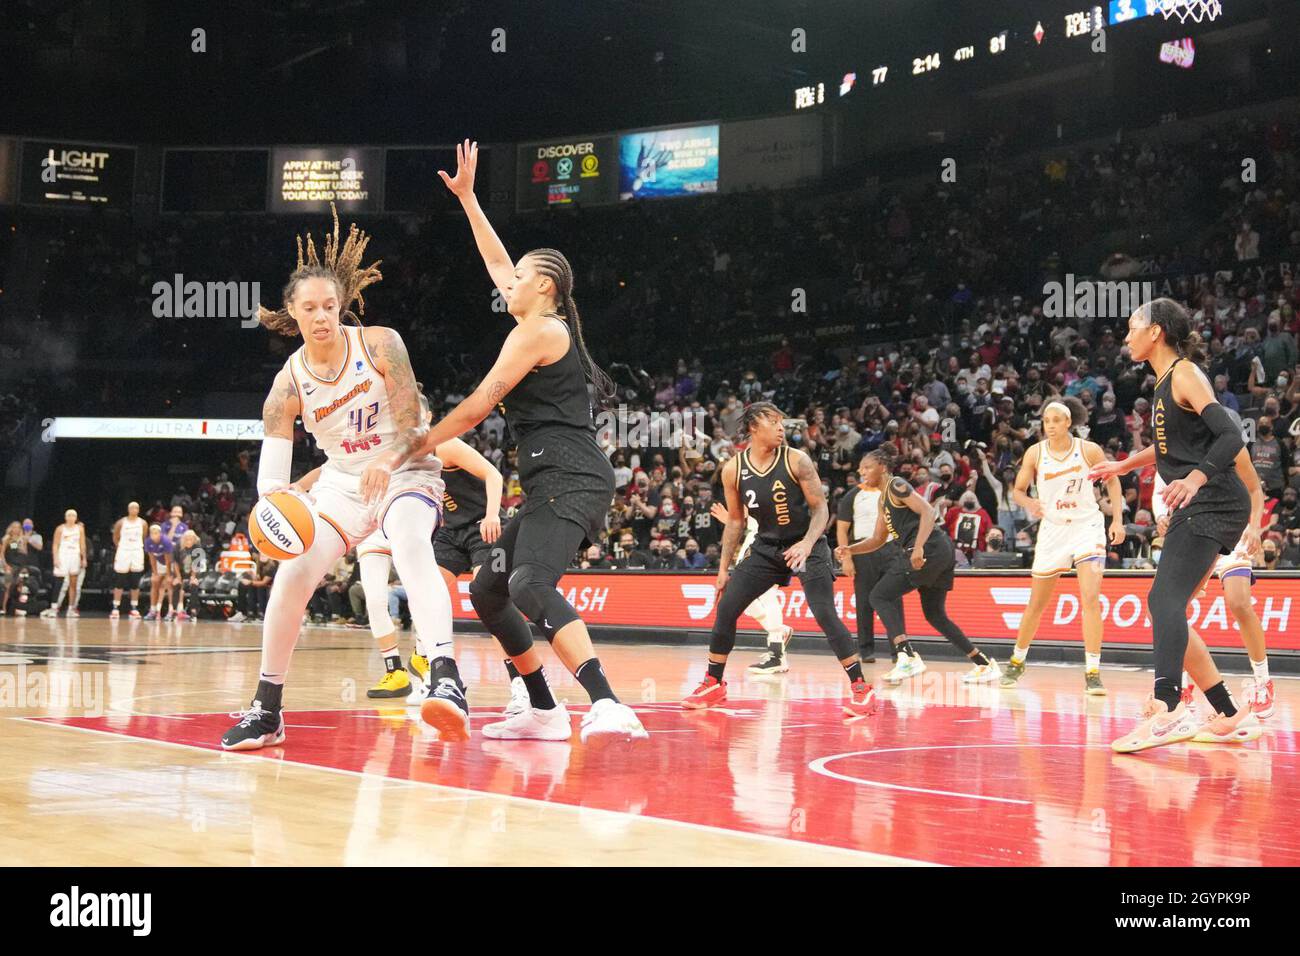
1078	411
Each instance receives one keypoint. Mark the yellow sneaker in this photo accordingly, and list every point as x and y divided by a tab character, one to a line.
393	684
420	667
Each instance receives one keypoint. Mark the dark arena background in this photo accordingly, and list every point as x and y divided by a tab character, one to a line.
909	225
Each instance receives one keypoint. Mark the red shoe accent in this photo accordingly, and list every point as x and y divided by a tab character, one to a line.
710	693
863	701
1261	700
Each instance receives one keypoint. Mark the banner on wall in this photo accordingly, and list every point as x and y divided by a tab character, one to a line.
986	606
308	180
657	163
562	172
77	174
770	153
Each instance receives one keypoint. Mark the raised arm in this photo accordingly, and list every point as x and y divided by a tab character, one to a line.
499	264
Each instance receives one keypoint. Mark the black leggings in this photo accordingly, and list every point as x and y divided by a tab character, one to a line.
1186	559
518	577
744	588
887	599
866	572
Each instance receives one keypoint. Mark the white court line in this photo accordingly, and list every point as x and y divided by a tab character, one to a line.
867	857
819	766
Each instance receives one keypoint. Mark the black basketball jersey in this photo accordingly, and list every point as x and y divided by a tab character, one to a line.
464	500
773	497
900	521
554	394
1181	436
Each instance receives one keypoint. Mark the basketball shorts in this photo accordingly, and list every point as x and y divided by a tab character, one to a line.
129	562
1238	562
460	550
67	561
337	498
1061	546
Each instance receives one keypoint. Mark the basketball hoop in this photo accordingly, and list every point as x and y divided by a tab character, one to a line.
1197	11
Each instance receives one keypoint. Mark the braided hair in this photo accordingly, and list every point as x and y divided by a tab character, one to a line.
341	264
886	455
752	413
553	264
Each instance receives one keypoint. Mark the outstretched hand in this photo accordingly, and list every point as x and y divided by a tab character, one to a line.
462	184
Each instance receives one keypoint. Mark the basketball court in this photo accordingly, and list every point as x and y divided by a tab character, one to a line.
111	737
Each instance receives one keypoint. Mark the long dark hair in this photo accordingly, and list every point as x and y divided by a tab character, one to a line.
1174	321
552	263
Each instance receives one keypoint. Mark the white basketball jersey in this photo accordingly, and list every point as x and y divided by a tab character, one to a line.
1063	486
71	540
349	417
131	537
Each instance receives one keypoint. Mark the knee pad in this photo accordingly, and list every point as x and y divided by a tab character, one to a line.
532	588
488	601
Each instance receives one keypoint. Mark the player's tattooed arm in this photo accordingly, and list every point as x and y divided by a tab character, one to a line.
403	393
805	472
281	406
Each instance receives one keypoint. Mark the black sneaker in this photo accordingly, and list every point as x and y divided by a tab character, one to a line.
257	728
446	709
773	662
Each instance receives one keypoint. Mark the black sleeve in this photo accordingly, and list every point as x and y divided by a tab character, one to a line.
845	511
1227	440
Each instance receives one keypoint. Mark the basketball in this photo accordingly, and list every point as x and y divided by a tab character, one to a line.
283	525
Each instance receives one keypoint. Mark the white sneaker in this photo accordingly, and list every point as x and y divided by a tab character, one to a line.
235	618
49	612
905	667
610	717
532	724
519	699
418	689
983	673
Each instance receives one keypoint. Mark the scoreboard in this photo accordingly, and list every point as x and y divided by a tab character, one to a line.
561	172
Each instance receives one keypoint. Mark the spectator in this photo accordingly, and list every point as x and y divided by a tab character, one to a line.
968	524
690	558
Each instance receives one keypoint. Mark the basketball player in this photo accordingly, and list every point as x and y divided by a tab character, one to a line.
357	396
69	562
924	561
539	381
856	520
159	550
780	487
128	561
1071	532
1195	448
766	608
1235	573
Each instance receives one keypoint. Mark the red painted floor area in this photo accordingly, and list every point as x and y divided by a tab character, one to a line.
951	785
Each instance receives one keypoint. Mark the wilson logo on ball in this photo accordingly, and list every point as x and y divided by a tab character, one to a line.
283	526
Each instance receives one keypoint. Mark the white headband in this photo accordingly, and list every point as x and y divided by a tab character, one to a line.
1065	409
